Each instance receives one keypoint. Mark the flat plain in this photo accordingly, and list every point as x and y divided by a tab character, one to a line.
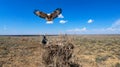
90	50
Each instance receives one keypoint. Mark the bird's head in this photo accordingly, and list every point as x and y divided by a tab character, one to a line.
49	17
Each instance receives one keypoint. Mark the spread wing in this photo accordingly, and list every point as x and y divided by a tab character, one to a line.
40	14
57	12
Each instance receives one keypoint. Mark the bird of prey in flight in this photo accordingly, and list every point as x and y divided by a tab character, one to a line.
48	17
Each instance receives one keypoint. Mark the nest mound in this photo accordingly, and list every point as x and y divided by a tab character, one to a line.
59	56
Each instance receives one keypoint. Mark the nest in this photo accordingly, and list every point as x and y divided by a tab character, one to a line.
59	56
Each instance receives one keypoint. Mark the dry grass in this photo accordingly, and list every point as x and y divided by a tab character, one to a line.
89	50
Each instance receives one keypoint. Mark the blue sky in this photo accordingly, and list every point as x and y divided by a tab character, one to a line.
80	17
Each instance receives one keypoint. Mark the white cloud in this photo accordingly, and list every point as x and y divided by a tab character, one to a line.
49	22
113	29
60	16
63	21
78	30
90	21
115	26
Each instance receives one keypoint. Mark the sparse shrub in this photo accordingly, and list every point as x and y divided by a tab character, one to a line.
59	56
4	51
1	63
117	65
99	59
93	41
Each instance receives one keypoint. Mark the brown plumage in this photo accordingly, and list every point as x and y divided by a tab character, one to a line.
48	17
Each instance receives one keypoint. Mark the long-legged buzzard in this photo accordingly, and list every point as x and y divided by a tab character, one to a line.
48	17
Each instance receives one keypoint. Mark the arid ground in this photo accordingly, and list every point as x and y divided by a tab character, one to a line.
89	51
